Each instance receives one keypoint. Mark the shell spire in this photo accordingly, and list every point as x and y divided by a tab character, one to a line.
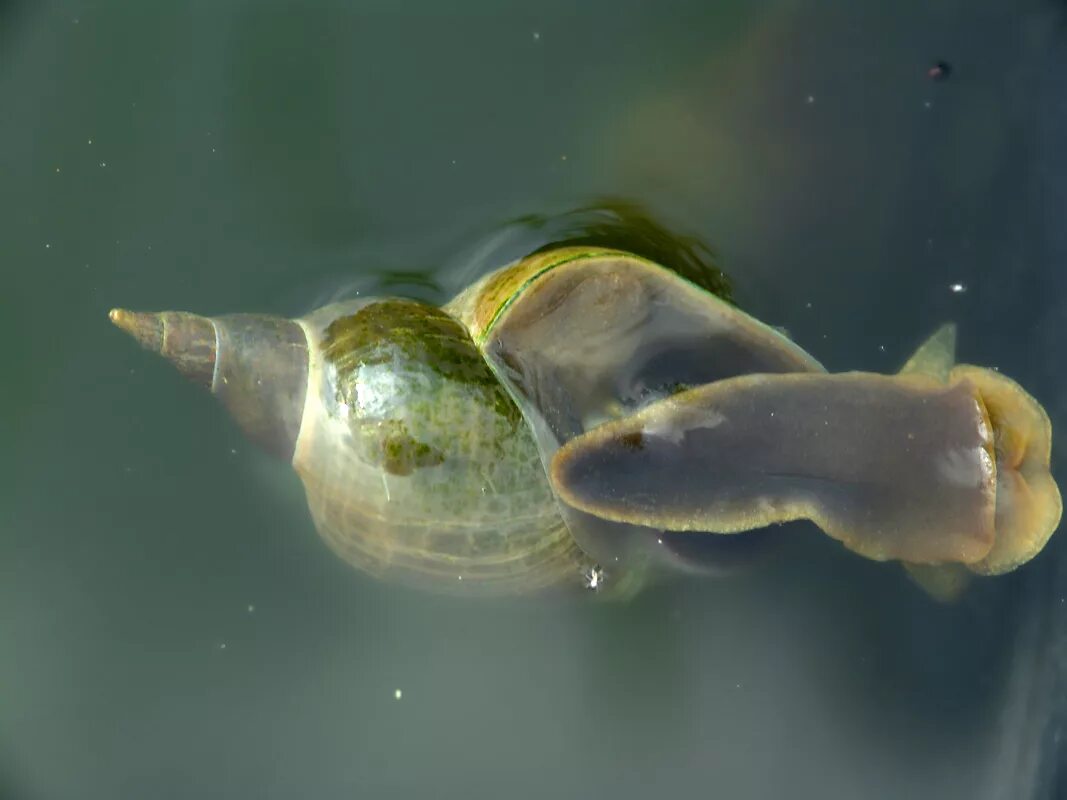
186	340
256	365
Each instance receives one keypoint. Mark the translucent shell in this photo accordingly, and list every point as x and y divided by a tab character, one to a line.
416	462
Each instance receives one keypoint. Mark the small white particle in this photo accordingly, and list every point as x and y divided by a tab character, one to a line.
233	451
90	141
958	288
251	609
594	578
881	347
103	163
772	413
927	104
212	149
57	169
222	645
459	577
660	541
807	305
809	99
563	158
48	247
537	36
398	694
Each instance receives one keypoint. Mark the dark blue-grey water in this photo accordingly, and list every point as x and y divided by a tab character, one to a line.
170	624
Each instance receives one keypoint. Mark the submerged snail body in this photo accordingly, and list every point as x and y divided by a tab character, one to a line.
556	414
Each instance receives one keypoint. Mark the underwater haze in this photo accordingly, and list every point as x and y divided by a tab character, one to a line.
171	625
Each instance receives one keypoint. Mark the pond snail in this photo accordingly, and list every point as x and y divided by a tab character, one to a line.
546	425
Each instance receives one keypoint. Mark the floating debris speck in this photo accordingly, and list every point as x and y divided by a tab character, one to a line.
398	694
594	578
958	288
939	71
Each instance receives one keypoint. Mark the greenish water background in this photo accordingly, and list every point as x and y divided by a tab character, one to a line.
170	625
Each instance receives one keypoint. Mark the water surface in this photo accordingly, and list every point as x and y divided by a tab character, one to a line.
173	627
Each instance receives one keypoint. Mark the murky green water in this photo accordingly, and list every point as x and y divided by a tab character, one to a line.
171	626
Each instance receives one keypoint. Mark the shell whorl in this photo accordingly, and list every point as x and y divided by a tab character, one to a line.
187	341
256	365
417	464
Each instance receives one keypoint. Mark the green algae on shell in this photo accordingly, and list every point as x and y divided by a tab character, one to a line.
416	461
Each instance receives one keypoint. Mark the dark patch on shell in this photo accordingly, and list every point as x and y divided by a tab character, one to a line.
402	453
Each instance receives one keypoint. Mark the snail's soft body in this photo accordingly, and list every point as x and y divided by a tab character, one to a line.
424	436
